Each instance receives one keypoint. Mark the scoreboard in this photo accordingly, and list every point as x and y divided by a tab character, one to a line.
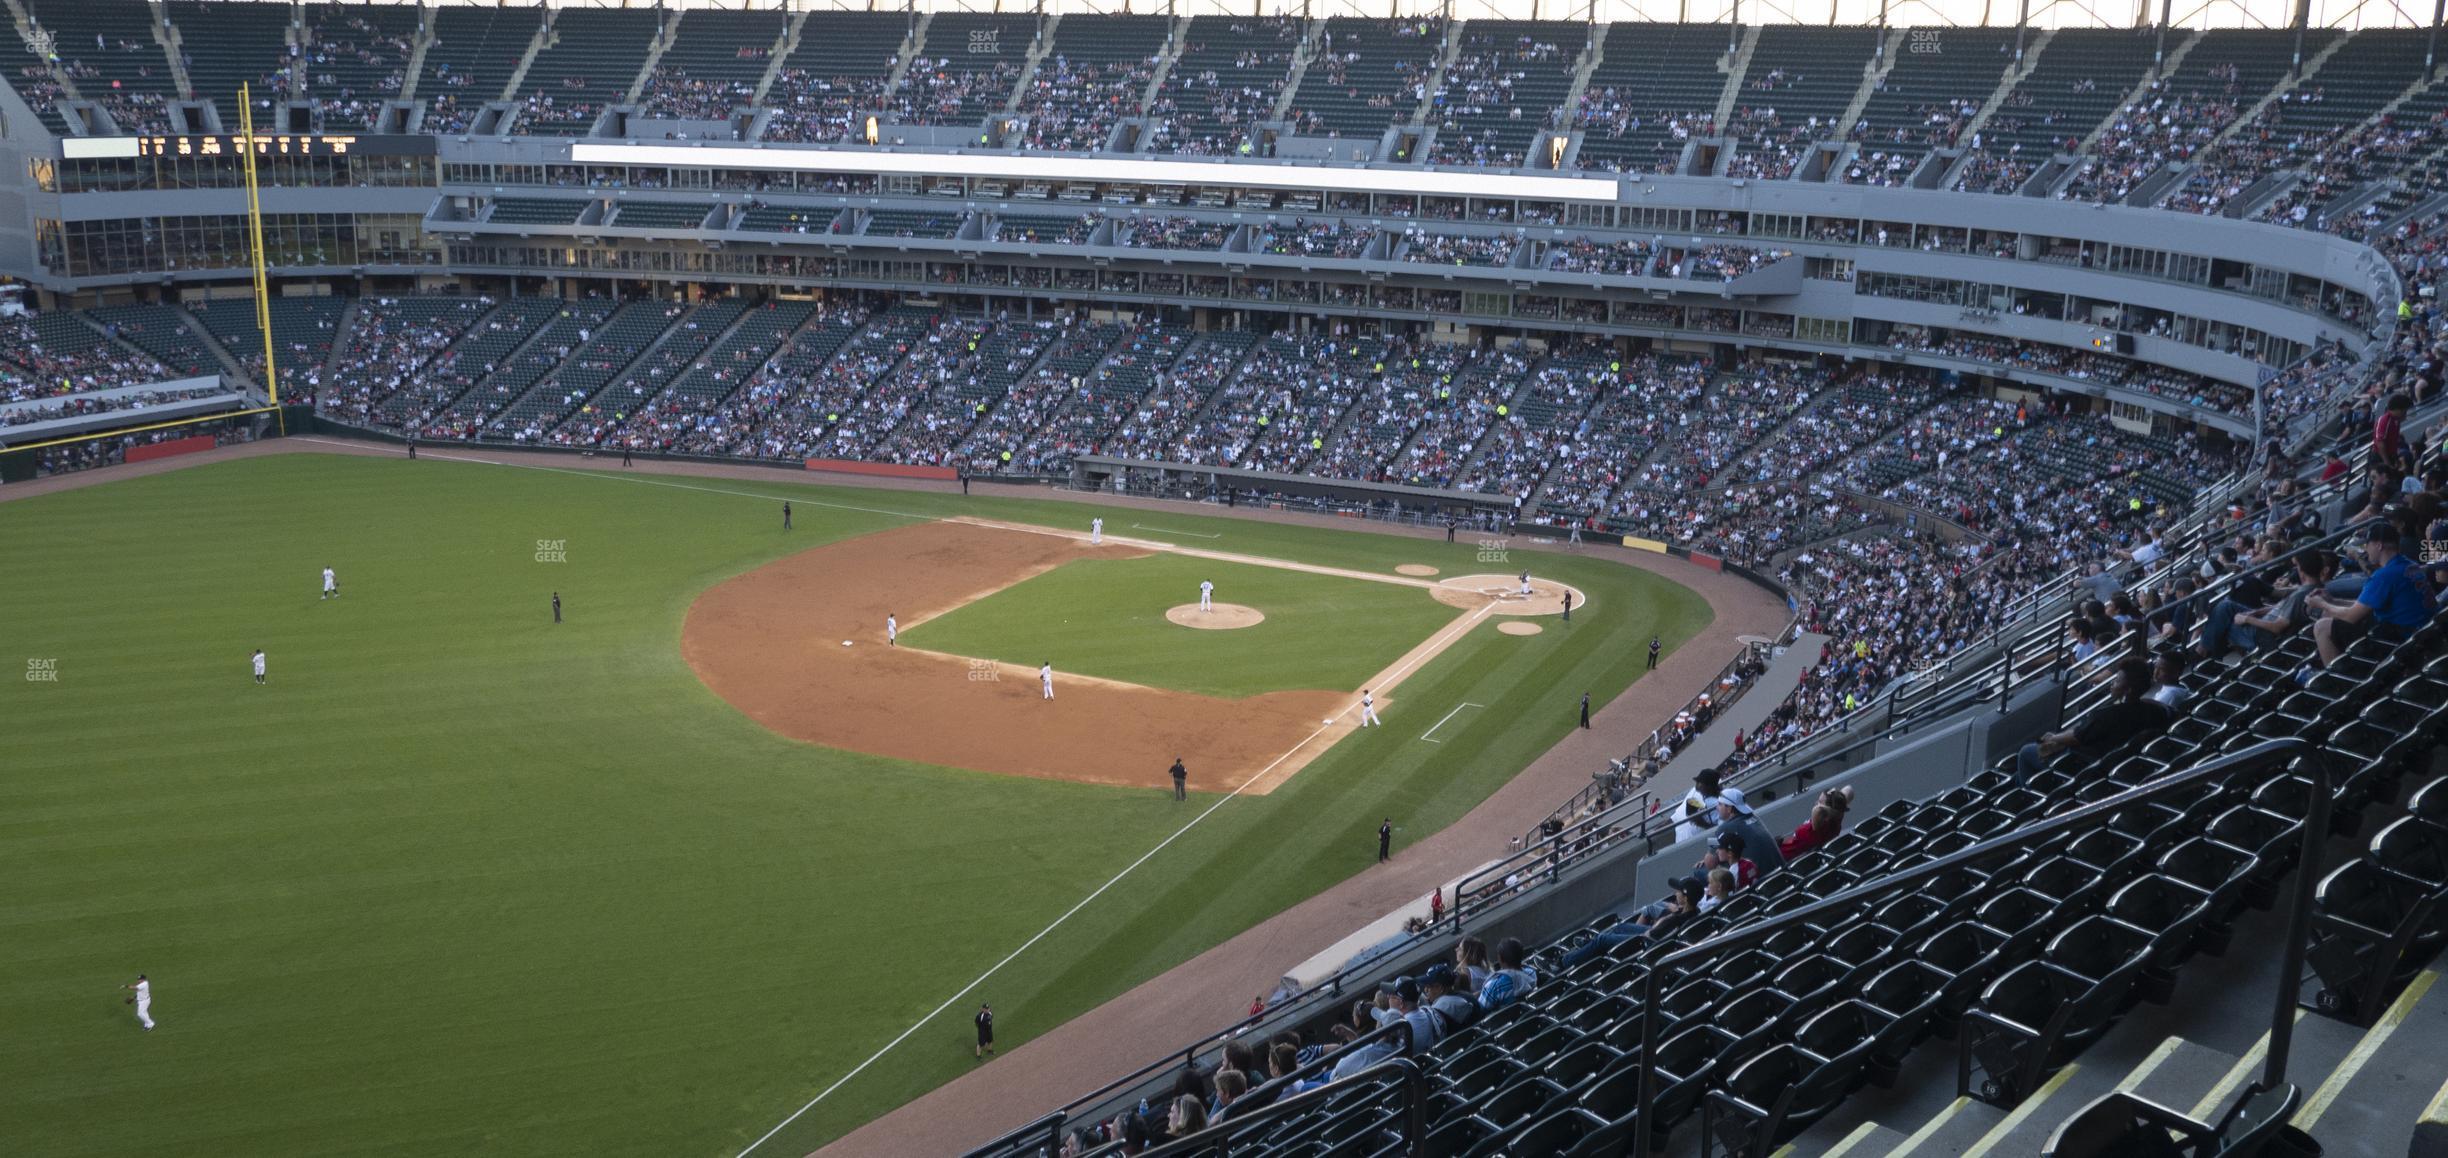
264	144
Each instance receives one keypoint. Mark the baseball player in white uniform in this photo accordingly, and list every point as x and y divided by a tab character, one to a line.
331	584
1045	679
1096	532
1368	709
1525	587
259	665
892	631
1206	595
143	1000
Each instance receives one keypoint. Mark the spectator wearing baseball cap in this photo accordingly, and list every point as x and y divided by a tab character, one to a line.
1734	815
1399	1000
2392	604
1438	990
1728	855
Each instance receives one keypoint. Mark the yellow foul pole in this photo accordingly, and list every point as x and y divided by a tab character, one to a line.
263	293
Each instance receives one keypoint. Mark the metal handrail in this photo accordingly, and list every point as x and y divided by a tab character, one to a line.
2087	816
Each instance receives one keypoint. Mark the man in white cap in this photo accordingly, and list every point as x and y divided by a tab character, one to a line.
1045	678
1734	815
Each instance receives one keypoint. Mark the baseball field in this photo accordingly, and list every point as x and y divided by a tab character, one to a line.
458	879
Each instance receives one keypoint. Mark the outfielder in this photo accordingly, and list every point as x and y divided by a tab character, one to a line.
1206	595
892	631
259	665
1045	678
1096	532
143	999
1368	709
331	584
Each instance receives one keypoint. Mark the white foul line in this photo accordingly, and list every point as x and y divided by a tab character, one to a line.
1024	946
1441	723
1171	531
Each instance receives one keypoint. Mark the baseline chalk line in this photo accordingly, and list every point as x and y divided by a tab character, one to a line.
1448	716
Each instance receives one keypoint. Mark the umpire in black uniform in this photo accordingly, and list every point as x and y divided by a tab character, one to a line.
1181	780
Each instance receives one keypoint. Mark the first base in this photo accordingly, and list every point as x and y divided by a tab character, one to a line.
845	643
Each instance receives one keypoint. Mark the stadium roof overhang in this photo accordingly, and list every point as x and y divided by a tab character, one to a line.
1076	168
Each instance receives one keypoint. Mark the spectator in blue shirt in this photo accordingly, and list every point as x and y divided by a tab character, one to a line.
2392	603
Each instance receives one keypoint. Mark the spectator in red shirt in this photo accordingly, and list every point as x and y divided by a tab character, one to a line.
2389	446
1826	821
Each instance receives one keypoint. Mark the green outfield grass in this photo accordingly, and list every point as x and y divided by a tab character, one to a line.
1106	617
461	881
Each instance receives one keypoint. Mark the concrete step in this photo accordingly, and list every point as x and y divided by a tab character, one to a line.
1865	1141
2366	1105
1956	1128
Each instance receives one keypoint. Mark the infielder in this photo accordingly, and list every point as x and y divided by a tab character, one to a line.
1045	678
1206	595
892	631
259	665
1368	709
1096	532
331	584
144	993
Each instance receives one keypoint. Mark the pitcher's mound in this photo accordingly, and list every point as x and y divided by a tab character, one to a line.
1223	616
1517	627
1421	570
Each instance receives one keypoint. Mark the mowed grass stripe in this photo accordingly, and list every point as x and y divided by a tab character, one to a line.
462	882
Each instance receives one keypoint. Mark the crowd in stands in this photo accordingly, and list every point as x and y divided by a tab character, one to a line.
1721	262
673	93
809	106
2158	129
1072	106
31	368
80	405
1171	231
1306	238
365	49
1452	249
1207	108
934	92
1480	82
1611	258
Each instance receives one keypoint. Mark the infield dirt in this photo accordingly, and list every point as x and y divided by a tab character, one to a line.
769	642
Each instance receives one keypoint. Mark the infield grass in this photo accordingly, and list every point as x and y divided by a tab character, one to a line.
1106	617
461	881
